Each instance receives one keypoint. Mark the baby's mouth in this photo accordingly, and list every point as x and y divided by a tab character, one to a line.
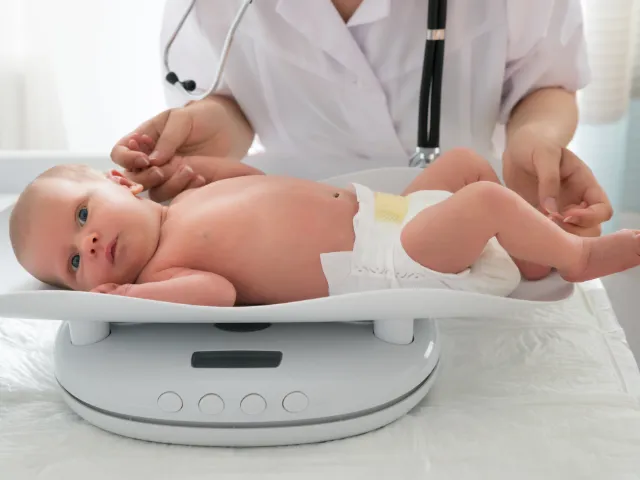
111	250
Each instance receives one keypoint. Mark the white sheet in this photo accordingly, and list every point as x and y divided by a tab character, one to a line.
554	396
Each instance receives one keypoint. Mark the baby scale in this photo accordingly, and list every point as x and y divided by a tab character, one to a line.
296	373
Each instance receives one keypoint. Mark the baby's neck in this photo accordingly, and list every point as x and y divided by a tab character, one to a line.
159	211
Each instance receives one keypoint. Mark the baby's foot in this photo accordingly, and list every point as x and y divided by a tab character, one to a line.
606	255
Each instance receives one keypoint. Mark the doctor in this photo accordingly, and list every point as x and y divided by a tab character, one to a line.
330	87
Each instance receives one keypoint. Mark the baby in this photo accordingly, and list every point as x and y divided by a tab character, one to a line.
261	239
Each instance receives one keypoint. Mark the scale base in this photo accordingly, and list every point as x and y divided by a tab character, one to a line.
344	381
205	435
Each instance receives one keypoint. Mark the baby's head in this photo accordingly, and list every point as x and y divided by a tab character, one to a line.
79	228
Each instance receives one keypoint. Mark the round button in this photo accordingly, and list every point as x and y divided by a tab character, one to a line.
170	402
253	404
211	404
295	402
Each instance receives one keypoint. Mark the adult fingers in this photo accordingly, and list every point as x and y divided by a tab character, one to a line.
145	135
599	203
546	162
128	158
132	151
197	182
173	134
148	178
593	231
590	216
176	184
583	185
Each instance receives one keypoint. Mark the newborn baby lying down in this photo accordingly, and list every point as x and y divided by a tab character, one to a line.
261	239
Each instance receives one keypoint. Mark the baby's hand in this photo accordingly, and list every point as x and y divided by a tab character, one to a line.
112	289
133	151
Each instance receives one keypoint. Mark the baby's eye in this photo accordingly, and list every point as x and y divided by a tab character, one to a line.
75	262
83	214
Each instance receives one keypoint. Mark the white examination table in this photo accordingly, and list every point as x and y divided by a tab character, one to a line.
555	395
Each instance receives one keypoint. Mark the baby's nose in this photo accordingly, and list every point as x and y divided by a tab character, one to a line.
91	245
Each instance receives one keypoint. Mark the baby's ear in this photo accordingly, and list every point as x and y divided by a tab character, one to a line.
118	178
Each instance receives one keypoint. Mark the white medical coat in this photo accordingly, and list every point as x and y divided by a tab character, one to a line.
325	97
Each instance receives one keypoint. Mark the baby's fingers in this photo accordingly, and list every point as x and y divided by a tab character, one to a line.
105	288
141	143
147	144
128	158
122	290
148	178
134	145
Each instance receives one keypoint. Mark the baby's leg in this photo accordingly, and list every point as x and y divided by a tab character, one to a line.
455	169
450	236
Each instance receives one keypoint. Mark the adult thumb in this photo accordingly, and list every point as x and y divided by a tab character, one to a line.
173	135
546	162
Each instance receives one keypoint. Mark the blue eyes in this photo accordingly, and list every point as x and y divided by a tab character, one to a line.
82	215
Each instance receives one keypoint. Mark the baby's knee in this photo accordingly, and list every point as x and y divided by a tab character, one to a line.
470	163
489	195
465	156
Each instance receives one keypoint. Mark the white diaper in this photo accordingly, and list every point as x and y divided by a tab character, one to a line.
378	260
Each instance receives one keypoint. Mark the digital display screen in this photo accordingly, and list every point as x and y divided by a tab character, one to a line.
236	359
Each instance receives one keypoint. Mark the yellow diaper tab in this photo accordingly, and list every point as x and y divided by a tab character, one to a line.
390	208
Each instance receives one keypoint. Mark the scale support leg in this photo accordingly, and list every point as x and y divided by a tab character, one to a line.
87	333
396	331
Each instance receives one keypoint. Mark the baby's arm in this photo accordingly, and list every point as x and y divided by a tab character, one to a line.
180	285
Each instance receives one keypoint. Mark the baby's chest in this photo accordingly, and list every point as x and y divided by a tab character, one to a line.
200	242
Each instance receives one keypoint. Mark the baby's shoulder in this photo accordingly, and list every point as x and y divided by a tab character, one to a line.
181	197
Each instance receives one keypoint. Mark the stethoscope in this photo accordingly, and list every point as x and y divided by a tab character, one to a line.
428	141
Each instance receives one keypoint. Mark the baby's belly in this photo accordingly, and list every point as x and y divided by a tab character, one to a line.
283	264
271	253
281	279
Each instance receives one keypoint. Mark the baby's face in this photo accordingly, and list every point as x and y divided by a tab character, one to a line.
85	234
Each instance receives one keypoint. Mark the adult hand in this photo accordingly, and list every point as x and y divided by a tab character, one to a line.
210	128
557	182
186	172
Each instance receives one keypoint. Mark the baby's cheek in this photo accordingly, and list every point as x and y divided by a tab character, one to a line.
92	276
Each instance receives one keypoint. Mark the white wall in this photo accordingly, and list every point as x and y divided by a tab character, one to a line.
96	64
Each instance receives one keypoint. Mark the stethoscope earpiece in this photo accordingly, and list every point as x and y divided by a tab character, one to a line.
188	85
